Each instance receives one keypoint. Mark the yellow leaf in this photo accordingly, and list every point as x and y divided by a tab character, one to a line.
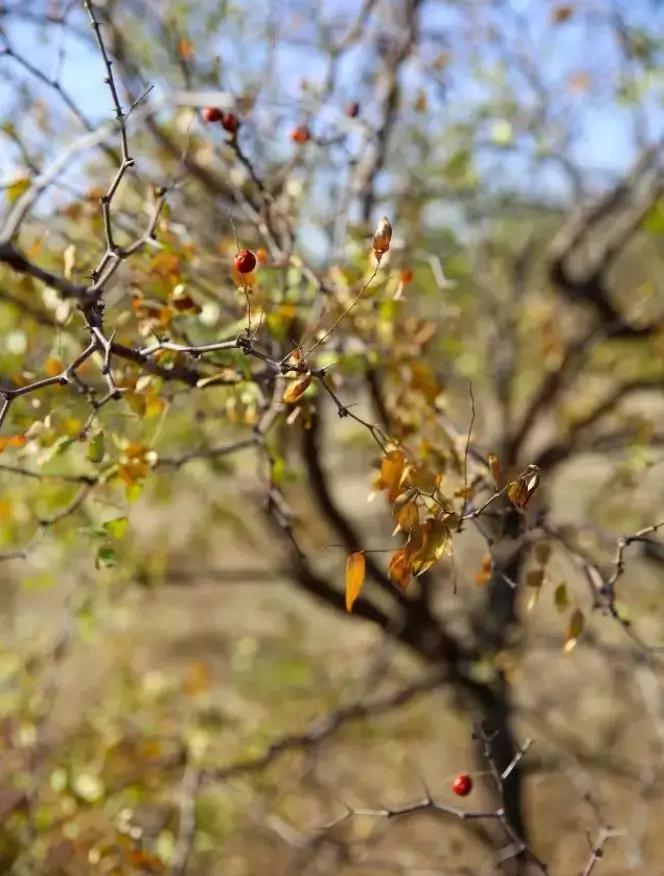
15	190
574	630
296	390
422	478
136	402
406	515
436	541
355	569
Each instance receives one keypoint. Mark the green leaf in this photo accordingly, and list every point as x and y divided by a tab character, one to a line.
654	219
96	447
106	558
133	492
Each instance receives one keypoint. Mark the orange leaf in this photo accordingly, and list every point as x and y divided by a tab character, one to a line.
399	570
12	441
185	49
496	469
54	366
296	390
520	492
483	576
407	516
391	471
355	569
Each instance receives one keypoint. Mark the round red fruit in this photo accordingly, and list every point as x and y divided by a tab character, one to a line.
462	785
212	114
245	261
230	122
300	134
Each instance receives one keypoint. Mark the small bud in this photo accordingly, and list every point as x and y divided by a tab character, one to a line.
382	237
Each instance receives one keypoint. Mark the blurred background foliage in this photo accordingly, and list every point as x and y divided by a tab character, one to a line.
160	627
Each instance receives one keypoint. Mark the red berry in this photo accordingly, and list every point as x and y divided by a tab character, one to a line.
245	261
212	114
300	134
230	122
462	785
352	109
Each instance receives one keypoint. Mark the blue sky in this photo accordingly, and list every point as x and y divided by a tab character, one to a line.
605	140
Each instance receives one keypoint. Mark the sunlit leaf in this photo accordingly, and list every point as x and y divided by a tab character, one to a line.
502	132
422	478
296	390
69	259
436	540
116	528
133	492
406	514
391	471
88	787
355	571
136	402
521	491
533	597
